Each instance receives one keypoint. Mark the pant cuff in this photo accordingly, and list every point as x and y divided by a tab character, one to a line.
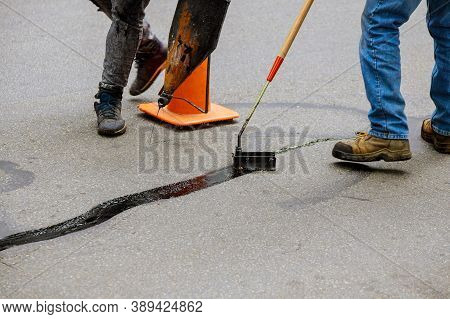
387	136
439	131
110	87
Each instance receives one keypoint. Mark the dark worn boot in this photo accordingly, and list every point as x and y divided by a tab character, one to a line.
441	143
150	62
367	148
108	109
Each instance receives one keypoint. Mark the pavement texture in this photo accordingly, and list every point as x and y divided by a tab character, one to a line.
317	228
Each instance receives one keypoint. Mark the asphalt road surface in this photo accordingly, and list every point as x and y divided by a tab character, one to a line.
315	228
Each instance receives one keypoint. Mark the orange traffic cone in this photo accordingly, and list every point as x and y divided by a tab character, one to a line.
190	104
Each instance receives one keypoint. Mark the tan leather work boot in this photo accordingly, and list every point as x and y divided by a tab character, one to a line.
367	148
441	143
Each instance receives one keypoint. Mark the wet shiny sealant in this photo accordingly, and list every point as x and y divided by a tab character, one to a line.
111	208
107	210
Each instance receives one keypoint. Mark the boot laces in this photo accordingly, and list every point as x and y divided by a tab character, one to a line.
108	112
107	107
360	136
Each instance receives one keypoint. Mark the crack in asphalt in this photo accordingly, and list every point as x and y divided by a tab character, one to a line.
109	209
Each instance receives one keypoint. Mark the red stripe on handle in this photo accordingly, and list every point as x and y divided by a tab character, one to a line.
276	66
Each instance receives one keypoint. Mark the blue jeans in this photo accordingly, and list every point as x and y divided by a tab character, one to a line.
380	63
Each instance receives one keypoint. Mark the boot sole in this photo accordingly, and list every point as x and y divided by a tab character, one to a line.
430	138
151	80
112	133
385	155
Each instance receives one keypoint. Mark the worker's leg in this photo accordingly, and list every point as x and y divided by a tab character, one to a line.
439	26
380	63
437	129
151	54
122	42
147	36
121	45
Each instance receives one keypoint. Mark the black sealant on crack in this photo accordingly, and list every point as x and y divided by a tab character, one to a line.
109	209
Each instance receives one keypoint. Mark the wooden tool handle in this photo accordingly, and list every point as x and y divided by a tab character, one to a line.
296	28
290	39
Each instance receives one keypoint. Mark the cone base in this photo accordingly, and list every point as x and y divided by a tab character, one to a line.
217	113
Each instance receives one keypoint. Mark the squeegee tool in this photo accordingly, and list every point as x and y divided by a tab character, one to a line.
266	161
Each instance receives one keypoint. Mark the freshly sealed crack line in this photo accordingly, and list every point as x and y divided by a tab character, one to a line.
109	209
